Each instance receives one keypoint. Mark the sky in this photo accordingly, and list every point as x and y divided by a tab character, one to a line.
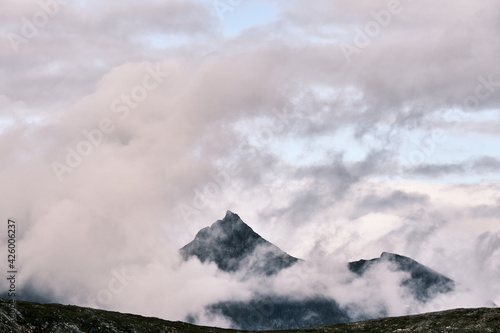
336	129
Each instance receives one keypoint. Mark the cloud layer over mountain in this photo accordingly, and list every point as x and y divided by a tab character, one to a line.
337	130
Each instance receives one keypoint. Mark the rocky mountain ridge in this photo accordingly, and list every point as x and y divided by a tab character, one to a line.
423	282
234	247
28	317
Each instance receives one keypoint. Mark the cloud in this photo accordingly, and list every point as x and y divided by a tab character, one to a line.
272	123
437	170
486	164
393	201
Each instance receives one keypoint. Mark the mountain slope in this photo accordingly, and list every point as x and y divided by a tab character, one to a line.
29	317
457	320
277	312
55	318
233	246
424	283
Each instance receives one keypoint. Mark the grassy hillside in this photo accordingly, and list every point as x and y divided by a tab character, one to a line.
41	318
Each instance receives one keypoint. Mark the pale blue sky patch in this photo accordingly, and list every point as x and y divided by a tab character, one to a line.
248	15
17	112
5	123
298	150
328	34
236	16
342	141
162	40
439	144
484	115
469	145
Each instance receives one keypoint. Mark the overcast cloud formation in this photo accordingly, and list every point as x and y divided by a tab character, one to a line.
333	127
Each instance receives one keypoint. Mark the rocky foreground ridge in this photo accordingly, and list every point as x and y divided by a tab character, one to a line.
56	318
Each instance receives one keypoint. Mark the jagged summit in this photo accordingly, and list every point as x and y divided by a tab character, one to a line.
233	245
229	214
424	283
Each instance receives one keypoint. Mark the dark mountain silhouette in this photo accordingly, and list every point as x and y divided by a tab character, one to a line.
278	312
234	246
424	283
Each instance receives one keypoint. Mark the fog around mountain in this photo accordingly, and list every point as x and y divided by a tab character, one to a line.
234	247
279	298
337	130
229	276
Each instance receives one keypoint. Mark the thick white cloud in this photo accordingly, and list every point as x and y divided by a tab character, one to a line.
251	127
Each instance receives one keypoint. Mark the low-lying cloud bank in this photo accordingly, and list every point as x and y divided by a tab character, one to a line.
125	129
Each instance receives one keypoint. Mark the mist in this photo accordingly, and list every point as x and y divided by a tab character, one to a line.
124	130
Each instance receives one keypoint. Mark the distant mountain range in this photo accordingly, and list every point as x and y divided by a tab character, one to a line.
234	247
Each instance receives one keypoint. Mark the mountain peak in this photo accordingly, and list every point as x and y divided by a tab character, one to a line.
231	223
230	214
233	245
386	255
423	282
